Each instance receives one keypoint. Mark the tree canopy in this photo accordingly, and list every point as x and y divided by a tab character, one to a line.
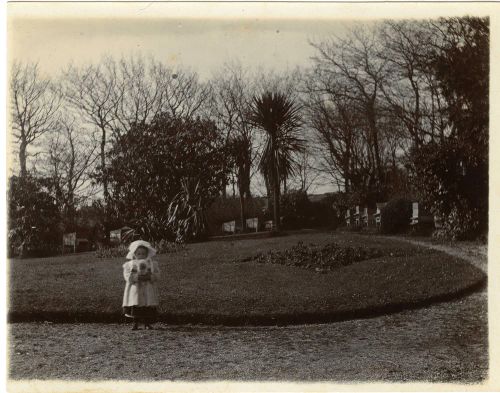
150	162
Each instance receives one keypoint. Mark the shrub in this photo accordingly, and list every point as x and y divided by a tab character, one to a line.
296	209
322	214
300	212
34	220
461	223
186	212
337	205
228	209
396	216
177	162
119	251
39	251
455	186
167	247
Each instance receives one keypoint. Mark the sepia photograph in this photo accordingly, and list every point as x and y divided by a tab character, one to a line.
281	193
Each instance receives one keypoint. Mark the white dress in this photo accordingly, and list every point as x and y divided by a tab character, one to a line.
140	293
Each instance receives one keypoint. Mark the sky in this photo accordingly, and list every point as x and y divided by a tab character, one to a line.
202	45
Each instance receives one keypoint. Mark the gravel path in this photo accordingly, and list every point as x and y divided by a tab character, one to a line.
444	342
476	254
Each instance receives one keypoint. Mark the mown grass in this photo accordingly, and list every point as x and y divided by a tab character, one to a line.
204	284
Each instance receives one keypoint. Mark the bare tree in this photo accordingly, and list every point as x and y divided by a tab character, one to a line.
412	91
307	173
137	93
70	159
338	134
145	88
35	102
352	61
231	94
95	93
182	93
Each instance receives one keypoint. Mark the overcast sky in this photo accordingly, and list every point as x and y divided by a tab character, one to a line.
199	35
203	45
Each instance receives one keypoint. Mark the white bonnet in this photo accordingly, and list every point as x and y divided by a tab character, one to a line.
140	243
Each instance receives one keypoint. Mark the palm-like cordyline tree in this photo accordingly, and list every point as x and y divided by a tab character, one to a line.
278	115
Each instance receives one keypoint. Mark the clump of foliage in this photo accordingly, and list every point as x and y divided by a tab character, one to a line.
162	246
462	222
118	251
330	256
455	189
295	209
300	212
34	218
453	174
186	212
149	165
395	216
229	209
320	258
322	215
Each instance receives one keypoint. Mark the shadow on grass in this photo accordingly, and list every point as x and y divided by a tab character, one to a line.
248	320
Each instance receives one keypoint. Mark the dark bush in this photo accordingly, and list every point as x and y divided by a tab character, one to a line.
170	159
300	212
396	216
337	204
34	221
321	214
455	186
229	209
120	251
295	209
164	246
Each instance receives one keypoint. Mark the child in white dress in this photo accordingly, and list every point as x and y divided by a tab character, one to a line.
141	273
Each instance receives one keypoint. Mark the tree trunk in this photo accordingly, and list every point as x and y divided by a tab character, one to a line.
269	190
375	141
223	189
276	186
224	185
242	211
276	200
22	158
106	222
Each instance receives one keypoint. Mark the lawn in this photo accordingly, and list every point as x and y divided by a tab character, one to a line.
215	282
